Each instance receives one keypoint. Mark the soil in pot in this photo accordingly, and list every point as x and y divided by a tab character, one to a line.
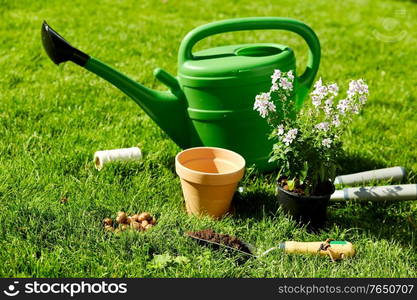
324	188
310	210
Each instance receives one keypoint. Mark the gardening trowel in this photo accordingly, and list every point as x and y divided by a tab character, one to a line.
336	250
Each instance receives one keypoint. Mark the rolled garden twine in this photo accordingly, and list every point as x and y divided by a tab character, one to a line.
126	154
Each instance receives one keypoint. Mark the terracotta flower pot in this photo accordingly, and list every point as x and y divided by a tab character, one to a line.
209	177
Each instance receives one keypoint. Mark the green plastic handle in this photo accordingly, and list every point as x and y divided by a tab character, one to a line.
257	23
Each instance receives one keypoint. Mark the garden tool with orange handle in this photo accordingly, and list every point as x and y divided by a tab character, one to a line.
336	250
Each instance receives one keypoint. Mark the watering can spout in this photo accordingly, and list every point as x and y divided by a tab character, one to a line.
58	49
167	109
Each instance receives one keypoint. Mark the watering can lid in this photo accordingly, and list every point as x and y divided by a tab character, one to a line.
243	62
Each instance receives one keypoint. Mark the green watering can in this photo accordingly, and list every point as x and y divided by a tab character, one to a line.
210	103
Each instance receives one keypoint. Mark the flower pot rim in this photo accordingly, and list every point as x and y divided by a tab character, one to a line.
206	178
238	168
303	196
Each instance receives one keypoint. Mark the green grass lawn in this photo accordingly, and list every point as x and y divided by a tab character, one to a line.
52	120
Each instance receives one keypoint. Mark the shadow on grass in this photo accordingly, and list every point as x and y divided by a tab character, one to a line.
353	163
255	204
383	220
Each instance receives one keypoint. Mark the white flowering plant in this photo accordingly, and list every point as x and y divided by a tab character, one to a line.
308	143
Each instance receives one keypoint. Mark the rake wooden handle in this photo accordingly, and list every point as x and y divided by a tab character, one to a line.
338	249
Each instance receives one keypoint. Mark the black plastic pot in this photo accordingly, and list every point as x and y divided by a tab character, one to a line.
311	210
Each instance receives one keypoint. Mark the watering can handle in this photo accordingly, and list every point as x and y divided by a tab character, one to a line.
257	23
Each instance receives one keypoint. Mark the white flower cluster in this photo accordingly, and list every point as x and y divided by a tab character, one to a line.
357	95
326	142
323	96
336	121
324	126
280	80
264	105
288	137
330	114
357	87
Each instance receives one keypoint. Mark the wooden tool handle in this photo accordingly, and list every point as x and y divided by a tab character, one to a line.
335	249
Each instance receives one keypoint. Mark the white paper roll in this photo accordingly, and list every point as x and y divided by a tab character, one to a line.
105	156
